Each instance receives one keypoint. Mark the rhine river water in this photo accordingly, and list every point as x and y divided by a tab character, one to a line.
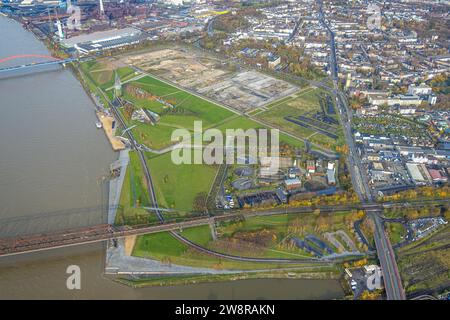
52	161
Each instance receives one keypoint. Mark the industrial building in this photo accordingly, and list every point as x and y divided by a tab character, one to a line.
103	40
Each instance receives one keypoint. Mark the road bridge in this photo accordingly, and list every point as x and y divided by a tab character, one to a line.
392	280
33	65
40	241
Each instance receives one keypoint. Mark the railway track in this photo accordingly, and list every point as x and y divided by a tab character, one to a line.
151	191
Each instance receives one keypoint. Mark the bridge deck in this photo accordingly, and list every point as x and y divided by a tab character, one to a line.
71	237
34	65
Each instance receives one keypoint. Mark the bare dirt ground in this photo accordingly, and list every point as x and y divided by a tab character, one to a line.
129	244
244	90
107	121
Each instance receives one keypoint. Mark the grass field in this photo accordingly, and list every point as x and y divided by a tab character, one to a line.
240	122
99	76
103	74
125	73
269	236
177	186
134	196
396	232
304	101
188	108
162	246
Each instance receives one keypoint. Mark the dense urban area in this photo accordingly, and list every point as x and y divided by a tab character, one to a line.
360	94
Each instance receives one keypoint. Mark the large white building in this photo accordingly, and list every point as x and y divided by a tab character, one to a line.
103	40
173	2
401	100
419	90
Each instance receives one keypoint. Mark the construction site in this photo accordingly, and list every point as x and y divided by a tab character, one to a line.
202	73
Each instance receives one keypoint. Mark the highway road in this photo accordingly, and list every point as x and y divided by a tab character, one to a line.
392	280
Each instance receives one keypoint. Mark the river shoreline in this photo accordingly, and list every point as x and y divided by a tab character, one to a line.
113	261
23	275
179	280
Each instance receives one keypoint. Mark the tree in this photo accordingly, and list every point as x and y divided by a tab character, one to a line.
200	202
447	214
128	110
366	295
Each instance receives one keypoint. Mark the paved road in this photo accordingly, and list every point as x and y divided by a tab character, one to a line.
151	192
35	65
72	237
325	151
392	281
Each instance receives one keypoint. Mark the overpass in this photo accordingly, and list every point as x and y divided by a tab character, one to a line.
391	276
386	255
50	61
39	242
46	240
104	232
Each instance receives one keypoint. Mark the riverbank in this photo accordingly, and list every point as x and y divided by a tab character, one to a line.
108	125
57	167
177	280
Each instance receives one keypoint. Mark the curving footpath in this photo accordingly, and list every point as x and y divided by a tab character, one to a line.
151	191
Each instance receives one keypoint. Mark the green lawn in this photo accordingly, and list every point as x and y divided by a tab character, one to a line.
302	102
396	231
189	108
162	246
101	74
156	137
159	245
154	105
134	196
125	73
240	122
200	235
178	185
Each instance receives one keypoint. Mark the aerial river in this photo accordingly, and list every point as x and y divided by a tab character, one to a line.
53	162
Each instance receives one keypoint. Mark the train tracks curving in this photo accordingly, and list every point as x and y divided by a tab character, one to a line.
151	191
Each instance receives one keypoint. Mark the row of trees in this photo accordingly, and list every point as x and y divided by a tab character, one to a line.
421	192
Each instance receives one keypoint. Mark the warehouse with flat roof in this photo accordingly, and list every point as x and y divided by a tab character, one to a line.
103	40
